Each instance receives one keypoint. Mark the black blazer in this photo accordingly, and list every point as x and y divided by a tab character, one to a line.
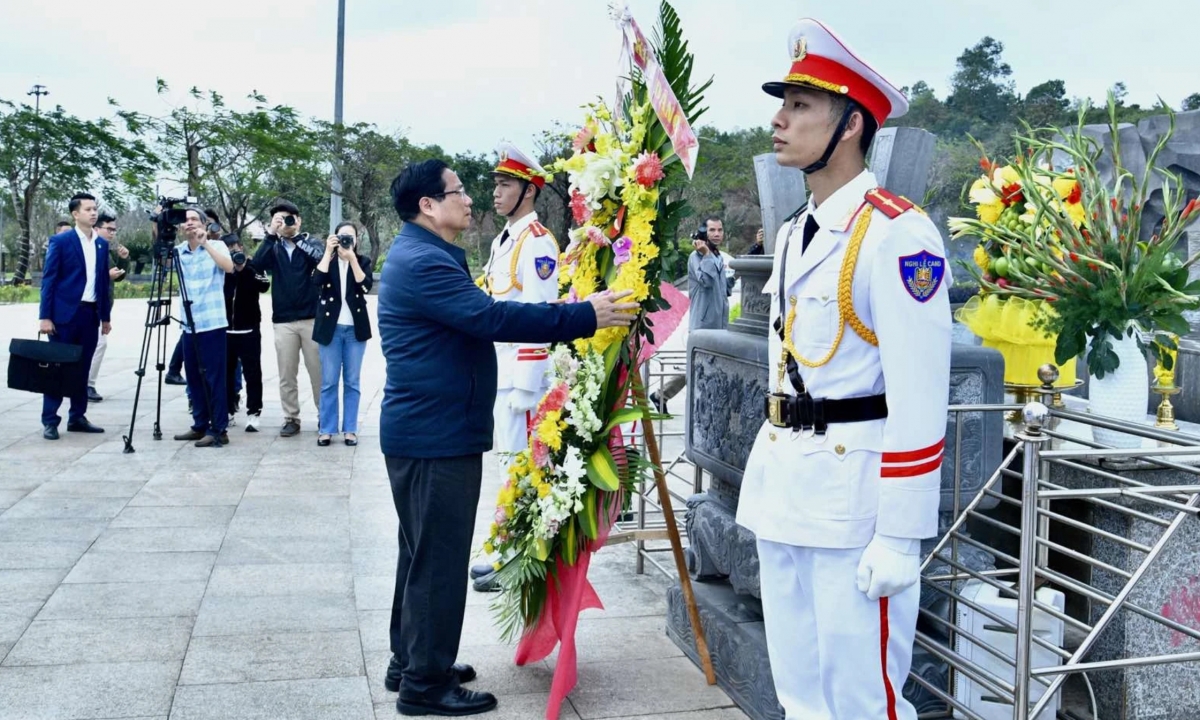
329	305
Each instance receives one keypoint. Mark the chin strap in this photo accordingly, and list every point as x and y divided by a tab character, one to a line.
520	199
833	141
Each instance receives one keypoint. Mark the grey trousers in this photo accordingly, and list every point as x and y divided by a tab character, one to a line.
436	501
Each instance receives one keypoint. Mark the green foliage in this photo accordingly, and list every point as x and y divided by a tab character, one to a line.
735	312
51	154
12	294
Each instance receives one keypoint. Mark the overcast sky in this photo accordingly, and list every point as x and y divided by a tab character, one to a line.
466	73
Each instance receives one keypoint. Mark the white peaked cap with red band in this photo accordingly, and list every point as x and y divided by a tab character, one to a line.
823	61
517	164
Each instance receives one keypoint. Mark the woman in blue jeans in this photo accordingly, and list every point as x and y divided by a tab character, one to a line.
341	329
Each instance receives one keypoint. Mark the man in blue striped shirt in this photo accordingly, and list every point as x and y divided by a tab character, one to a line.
202	268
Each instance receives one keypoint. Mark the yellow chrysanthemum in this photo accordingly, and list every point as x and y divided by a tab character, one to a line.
981	258
543	490
549	430
489	548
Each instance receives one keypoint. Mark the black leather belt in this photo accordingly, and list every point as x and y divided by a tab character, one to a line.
805	412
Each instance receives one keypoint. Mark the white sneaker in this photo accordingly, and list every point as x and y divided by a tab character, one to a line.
232	419
252	422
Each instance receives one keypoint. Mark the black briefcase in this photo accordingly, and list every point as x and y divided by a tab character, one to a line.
45	368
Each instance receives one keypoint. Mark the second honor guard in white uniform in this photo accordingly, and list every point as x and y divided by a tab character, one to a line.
844	477
522	267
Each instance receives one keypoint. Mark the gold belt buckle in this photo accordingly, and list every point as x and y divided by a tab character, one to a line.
775	409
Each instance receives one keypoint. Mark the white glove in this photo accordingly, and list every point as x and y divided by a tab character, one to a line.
522	400
889	565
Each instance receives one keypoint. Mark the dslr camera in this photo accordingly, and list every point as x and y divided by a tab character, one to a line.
346	241
702	234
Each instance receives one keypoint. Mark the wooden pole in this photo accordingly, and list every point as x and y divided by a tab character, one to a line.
664	499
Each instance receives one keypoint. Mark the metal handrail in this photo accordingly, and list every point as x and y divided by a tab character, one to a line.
1111	492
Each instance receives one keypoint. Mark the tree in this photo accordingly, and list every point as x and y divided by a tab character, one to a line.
241	162
1191	102
1046	104
368	160
924	108
980	88
52	154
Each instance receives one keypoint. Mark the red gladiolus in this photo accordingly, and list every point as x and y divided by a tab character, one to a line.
1011	194
987	166
1074	257
1076	194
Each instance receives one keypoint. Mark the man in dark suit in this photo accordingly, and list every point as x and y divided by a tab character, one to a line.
75	303
437	329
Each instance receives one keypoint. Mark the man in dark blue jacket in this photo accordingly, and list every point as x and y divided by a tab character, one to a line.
437	329
75	306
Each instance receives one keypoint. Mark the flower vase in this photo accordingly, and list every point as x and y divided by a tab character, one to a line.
1123	394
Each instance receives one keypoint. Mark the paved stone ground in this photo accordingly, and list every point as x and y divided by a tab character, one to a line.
254	582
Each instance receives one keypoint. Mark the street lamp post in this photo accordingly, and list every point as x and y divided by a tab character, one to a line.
335	196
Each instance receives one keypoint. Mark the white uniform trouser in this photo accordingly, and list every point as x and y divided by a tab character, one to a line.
97	358
512	428
829	645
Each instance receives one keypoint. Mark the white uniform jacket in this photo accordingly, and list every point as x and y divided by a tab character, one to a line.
878	476
523	269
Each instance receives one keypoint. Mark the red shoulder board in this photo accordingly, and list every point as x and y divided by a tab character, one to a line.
888	203
538	229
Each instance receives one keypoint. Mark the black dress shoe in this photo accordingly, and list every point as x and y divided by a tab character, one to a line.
486	584
324	441
465	674
94	396
174	379
50	432
291	428
659	403
453	702
478	571
84	426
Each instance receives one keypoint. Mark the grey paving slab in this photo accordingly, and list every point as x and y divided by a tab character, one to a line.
223	493
288	579
276	656
653	688
27	555
374	630
276	614
136	567
124	600
110	690
321	699
376	560
15	618
42	530
35	585
170	517
101	640
726	713
291	486
8	498
278	550
66	507
632	639
374	592
181	539
124	489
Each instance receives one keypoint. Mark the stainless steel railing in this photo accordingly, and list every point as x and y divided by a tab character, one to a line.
1038	447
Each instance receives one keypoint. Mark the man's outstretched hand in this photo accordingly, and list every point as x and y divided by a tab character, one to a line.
610	312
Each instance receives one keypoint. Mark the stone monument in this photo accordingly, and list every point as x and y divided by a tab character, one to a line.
733	365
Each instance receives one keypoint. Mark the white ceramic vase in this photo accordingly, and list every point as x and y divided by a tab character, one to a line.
1122	395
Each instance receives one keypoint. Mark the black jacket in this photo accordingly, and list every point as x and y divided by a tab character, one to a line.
437	330
329	290
293	290
242	288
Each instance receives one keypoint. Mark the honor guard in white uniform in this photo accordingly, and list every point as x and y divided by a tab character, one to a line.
844	477
522	267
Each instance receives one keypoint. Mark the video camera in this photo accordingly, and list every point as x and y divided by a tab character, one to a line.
169	217
702	234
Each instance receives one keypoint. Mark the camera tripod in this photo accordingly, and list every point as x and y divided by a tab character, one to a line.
158	318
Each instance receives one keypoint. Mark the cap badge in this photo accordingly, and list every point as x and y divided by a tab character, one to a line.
801	50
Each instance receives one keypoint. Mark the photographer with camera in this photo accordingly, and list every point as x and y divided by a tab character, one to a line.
244	336
708	294
290	257
341	330
202	269
175	368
